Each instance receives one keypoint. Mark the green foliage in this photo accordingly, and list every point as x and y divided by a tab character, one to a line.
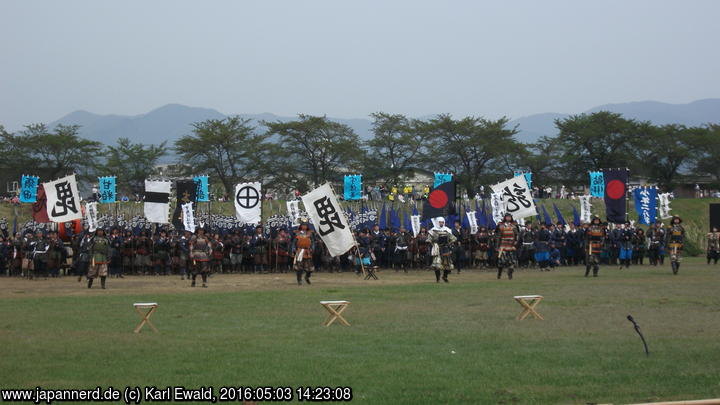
57	153
476	149
706	151
132	163
591	142
228	150
315	147
397	147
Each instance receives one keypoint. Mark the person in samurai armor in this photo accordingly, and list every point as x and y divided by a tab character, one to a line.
400	252
626	243
656	244
713	246
364	257
201	253
639	247
443	242
260	250
281	250
675	240
303	246
507	234
82	264
542	247
527	247
481	243
594	237
461	245
100	257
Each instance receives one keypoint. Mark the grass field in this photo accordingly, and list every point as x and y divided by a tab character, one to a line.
412	341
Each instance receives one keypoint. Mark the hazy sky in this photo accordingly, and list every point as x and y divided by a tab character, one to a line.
350	58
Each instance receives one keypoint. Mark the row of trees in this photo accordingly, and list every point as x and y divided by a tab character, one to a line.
312	149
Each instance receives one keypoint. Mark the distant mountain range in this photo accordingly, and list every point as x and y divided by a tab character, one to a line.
172	121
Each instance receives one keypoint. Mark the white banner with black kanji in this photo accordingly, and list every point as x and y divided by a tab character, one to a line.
517	198
472	220
91	216
329	219
293	210
415	223
585	209
248	202
63	199
188	217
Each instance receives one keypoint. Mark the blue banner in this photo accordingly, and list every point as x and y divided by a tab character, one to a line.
353	187
597	184
28	190
646	204
202	192
441	178
528	177
106	188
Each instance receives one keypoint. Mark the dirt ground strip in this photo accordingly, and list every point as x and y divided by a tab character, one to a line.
69	286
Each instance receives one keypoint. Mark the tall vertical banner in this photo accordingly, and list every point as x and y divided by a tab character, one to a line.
496	202
516	198
597	184
106	189
441	178
329	220
91	216
472	220
29	188
616	195
63	199
353	187
528	177
157	201
202	189
188	217
664	206
646	204
248	202
585	209
185	193
415	223
293	212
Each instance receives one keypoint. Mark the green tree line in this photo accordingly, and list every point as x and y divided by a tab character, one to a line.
313	149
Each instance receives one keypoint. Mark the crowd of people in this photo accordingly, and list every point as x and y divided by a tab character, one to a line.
115	251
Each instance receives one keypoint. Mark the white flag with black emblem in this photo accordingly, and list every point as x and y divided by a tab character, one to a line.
91	216
63	200
516	196
157	201
188	217
248	202
329	220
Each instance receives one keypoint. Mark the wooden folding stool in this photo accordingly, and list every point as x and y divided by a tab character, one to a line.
529	302
335	308
151	306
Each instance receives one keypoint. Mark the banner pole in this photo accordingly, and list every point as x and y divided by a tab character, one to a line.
351	232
